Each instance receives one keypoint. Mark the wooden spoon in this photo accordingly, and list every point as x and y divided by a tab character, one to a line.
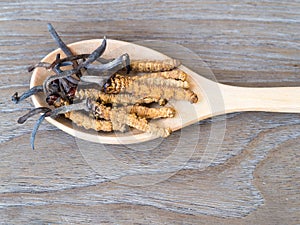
215	98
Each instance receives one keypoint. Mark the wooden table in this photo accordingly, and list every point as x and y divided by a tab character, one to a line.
252	177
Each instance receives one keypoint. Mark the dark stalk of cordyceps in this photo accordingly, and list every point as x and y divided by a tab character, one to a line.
62	46
111	67
94	55
31	113
47	112
59	41
68	73
62	62
16	99
63	84
68	80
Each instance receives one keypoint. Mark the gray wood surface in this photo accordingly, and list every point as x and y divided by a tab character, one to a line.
249	176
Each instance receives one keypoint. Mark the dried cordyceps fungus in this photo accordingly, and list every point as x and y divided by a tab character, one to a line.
117	94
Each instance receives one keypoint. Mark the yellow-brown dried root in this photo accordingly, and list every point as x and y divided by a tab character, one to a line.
162	92
120	116
101	111
159	81
153	65
120	83
151	113
143	125
124	99
83	120
176	74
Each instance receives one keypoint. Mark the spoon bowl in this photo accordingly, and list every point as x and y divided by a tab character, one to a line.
214	98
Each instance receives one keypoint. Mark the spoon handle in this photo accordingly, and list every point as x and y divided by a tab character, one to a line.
273	99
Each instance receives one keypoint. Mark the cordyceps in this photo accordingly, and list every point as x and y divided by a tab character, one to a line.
112	96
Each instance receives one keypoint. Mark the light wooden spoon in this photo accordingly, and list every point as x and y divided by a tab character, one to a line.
215	98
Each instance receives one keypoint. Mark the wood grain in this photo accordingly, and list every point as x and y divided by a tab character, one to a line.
249	176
